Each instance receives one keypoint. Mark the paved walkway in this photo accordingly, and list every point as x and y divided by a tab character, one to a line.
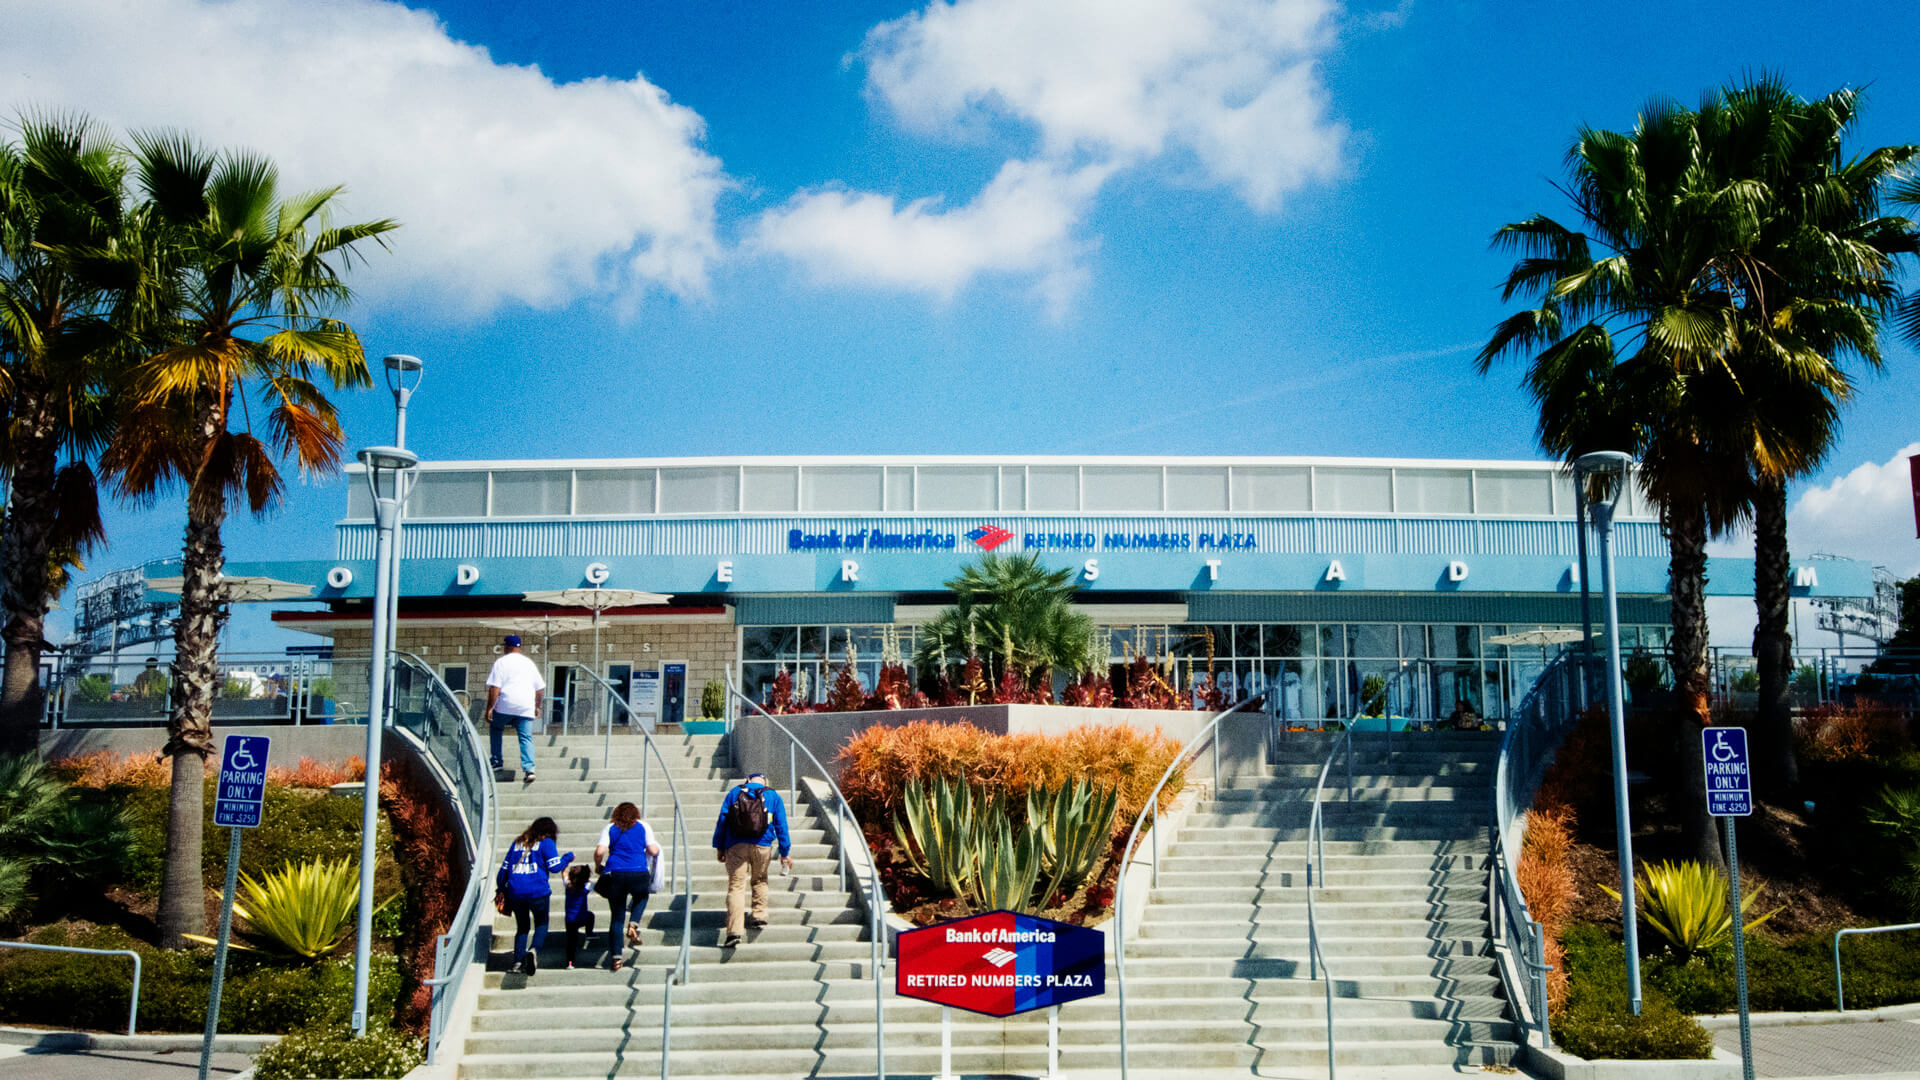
21	1063
1864	1048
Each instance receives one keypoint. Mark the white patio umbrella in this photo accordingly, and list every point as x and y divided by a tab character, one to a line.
1541	636
596	600
240	590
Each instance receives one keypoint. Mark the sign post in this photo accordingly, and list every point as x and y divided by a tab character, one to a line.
1729	796
237	801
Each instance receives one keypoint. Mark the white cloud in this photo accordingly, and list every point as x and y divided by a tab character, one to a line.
1226	92
509	186
1867	514
1021	223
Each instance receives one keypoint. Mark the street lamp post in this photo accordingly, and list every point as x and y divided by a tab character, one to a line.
1601	513
403	378
390	464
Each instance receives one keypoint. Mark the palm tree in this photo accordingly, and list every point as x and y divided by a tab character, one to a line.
1008	609
244	276
1629	350
1814	288
63	286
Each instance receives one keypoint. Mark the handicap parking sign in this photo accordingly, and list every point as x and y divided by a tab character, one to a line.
243	782
1729	779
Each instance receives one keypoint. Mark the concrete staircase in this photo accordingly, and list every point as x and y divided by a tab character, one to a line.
1216	980
1402	911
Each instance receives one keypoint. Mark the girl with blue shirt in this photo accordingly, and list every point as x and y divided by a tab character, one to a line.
625	856
523	880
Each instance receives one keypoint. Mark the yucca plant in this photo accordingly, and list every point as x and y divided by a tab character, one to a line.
1074	825
302	907
1686	903
938	835
1008	865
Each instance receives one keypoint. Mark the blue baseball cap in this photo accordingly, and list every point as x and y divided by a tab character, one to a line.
513	641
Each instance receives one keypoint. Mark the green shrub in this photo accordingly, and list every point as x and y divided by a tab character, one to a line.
1597	1022
93	689
16	890
713	700
332	1050
296	825
261	996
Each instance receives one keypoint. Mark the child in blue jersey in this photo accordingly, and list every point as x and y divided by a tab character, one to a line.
579	916
530	860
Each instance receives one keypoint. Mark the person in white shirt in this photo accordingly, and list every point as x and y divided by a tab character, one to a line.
515	692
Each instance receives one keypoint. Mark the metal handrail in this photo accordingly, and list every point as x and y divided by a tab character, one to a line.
1209	735
876	895
1839	991
450	963
680	857
133	1009
1317	859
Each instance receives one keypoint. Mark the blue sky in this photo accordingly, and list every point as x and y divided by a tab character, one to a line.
1213	227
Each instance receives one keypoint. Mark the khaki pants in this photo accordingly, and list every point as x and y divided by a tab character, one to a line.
746	865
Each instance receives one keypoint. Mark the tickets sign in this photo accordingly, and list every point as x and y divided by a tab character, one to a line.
1001	963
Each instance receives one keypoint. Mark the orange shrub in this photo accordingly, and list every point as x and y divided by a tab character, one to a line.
879	762
318	774
106	769
1850	733
1545	877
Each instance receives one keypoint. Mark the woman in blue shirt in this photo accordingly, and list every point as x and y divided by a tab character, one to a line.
523	880
625	855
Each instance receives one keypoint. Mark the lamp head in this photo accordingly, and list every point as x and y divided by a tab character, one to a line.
399	368
387	458
1605	463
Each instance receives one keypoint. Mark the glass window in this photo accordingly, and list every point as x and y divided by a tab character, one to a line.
1013	489
1433	491
769	490
768	642
968	489
455	676
1456	641
700	491
1197	490
1122	488
1353	491
1413	641
1333	640
1260	489
359	499
813	641
532	492
1246	641
448	495
1517	493
1563	495
827	489
900	491
613	491
1052	488
1373	639
1284	641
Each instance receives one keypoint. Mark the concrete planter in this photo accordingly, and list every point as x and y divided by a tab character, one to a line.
1555	1065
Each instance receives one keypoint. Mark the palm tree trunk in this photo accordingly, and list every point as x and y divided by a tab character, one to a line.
1772	642
196	637
24	543
1687	654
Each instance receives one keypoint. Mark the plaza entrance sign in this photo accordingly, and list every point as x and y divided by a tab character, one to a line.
1001	963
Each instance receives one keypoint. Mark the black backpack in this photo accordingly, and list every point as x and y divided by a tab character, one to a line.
747	815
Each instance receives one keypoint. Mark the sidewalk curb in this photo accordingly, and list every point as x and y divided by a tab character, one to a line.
1731	1021
72	1041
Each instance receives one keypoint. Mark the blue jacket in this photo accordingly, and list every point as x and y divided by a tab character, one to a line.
577	904
723	837
524	874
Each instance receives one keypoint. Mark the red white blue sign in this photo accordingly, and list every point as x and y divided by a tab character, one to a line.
1001	963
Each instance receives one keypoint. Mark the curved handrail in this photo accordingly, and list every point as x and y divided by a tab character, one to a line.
1209	735
1317	860
876	895
451	962
1839	990
680	856
1538	724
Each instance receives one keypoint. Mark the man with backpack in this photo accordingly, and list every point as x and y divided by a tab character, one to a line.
752	819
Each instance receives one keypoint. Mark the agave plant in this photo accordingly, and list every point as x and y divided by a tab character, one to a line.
1686	903
938	835
1074	825
302	907
1008	863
